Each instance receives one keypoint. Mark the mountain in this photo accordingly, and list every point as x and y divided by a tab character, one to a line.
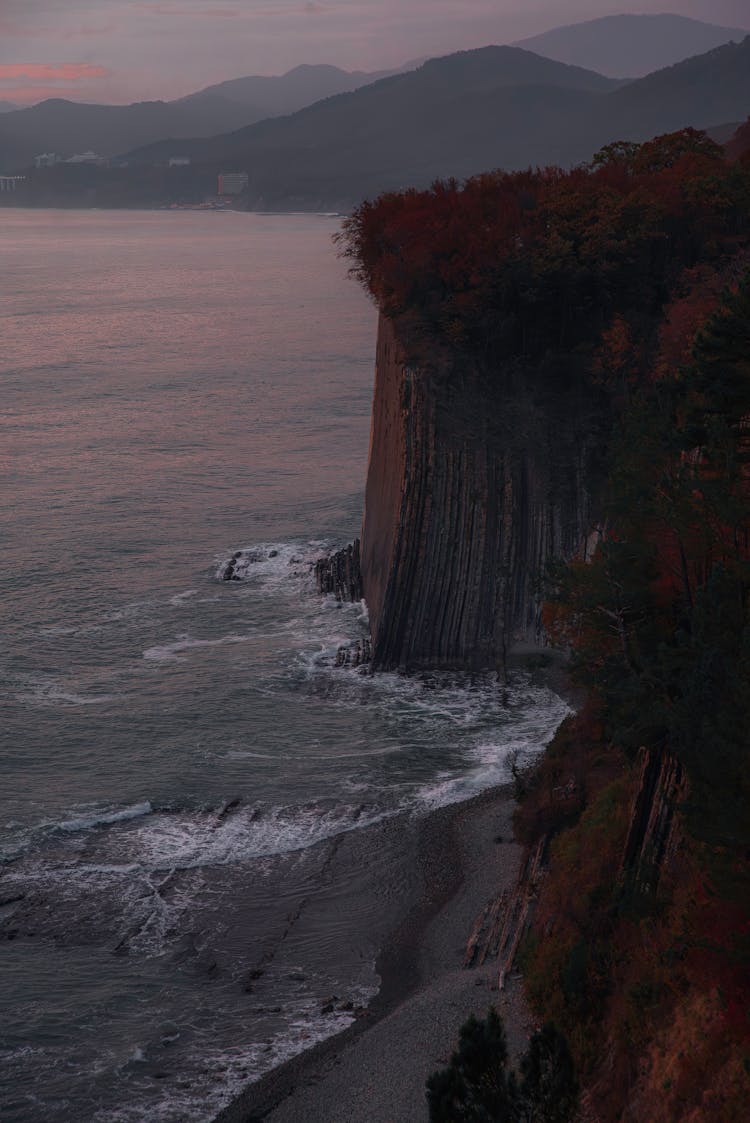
700	91
286	93
631	45
422	116
67	127
462	114
7	106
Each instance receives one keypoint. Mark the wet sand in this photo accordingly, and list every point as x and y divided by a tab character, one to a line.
375	1071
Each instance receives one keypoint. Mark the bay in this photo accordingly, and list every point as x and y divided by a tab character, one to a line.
194	797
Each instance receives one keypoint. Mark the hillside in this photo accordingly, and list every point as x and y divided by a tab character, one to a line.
67	127
631	45
509	304
457	116
462	114
700	91
452	116
278	95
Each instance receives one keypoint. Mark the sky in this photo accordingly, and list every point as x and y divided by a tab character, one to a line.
119	51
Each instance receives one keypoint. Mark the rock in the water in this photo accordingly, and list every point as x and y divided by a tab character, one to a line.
340	574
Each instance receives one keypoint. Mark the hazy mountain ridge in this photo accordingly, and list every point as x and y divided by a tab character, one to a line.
66	127
631	45
206	124
383	109
701	91
279	95
459	115
464	114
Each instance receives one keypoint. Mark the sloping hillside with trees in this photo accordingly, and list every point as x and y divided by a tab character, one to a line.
631	275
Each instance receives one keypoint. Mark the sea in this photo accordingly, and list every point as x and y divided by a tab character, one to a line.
194	878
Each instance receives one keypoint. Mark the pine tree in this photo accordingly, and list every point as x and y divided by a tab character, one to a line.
475	1087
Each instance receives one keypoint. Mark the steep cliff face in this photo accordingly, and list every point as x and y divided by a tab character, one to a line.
475	480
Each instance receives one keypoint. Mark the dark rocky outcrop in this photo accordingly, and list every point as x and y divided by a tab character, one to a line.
652	835
357	654
475	480
340	573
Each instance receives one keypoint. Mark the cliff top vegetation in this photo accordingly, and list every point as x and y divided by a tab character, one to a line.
529	264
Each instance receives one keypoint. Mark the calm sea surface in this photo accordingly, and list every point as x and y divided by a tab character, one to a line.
182	766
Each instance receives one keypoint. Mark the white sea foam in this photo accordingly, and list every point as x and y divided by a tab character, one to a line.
272	565
177	841
179	599
44	690
141	839
169	652
106	817
489	761
235	1066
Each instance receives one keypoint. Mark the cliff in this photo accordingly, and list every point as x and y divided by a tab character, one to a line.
560	350
475	481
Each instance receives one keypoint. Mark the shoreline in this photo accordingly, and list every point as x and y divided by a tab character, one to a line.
466	856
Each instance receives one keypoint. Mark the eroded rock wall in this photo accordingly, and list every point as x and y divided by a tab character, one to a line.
475	480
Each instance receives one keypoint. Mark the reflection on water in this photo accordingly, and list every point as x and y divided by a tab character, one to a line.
197	807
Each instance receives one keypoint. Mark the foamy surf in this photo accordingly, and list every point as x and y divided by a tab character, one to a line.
154	880
168	652
106	818
46	690
271	564
200	1099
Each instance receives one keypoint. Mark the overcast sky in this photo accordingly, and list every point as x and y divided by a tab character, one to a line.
135	50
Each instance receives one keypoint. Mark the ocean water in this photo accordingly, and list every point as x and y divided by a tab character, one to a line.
195	870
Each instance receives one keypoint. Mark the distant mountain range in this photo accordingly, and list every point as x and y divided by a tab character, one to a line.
494	107
385	126
631	46
462	114
272	97
628	45
68	127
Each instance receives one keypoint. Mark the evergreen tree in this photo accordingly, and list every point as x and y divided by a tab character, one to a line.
475	1087
549	1089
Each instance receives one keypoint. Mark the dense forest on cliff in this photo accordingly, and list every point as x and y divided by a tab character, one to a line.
631	276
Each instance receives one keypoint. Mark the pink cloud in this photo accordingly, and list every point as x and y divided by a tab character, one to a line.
65	72
30	95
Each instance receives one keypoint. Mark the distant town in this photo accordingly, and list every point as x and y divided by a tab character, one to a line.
230	187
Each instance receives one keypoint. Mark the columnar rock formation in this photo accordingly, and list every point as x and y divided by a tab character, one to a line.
475	480
651	838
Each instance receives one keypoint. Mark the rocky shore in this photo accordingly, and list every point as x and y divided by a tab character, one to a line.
375	1071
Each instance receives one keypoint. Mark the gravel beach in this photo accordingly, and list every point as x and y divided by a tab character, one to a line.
375	1071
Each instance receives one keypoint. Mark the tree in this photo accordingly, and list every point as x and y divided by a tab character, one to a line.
475	1087
549	1089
